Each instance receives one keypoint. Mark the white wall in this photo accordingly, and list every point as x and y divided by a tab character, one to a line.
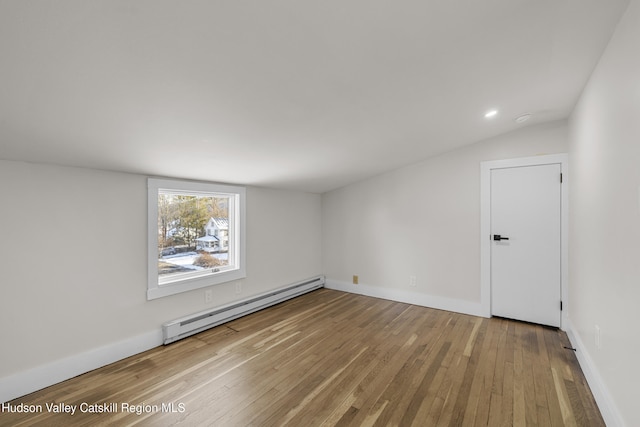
422	220
73	258
605	221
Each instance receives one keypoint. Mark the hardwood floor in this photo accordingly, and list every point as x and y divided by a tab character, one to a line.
335	359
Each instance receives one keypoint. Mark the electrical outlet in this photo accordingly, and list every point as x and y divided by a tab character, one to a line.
208	296
355	279
412	280
238	287
597	337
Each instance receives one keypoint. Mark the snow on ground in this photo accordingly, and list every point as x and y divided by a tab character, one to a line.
186	259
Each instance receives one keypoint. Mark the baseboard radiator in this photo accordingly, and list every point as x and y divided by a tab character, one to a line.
198	322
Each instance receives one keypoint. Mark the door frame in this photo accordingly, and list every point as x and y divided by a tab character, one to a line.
485	225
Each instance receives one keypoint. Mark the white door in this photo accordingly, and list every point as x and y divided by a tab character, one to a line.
525	243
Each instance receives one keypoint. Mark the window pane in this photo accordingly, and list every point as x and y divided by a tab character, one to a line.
196	235
193	233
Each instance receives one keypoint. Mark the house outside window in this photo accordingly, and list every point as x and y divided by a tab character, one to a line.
217	235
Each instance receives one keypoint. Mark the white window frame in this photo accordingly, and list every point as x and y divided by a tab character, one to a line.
160	287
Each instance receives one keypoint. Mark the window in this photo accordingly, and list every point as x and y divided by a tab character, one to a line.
182	254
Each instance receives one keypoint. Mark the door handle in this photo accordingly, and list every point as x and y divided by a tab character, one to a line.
499	237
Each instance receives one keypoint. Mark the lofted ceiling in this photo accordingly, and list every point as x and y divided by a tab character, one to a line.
304	95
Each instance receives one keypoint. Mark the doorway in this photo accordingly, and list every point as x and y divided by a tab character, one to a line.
523	238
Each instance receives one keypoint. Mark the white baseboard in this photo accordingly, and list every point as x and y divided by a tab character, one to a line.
606	404
34	379
416	298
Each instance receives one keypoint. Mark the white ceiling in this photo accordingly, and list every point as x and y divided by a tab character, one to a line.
306	95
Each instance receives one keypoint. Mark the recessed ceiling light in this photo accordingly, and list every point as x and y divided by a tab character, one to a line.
490	114
523	118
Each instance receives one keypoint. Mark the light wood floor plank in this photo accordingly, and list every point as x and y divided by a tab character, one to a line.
335	359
